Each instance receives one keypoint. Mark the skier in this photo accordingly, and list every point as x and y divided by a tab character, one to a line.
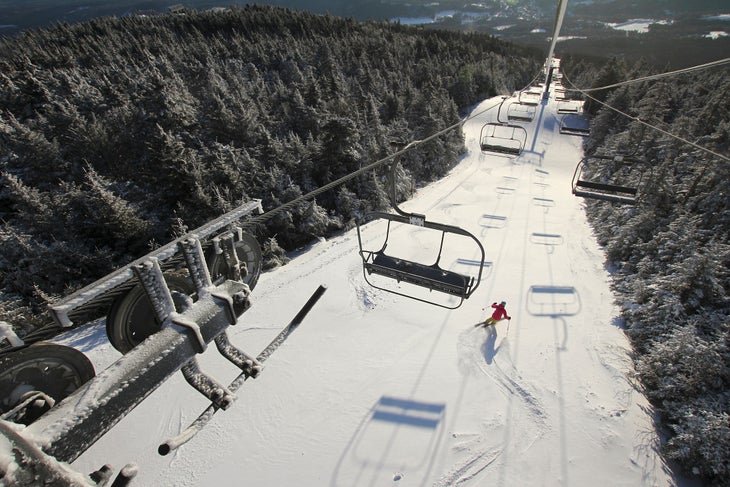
499	314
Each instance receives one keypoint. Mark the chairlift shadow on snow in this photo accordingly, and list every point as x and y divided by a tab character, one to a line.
396	434
564	326
550	240
487	266
488	221
554	301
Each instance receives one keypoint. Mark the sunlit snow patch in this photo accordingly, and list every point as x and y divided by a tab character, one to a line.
637	25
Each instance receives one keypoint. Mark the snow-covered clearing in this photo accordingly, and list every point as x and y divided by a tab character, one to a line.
637	25
374	389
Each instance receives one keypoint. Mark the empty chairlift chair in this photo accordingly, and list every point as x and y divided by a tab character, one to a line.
430	276
520	112
621	183
427	275
570	106
575	124
503	139
529	98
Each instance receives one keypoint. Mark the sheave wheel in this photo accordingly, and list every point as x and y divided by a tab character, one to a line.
52	369
248	251
131	318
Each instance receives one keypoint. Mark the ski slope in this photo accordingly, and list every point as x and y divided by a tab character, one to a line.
375	389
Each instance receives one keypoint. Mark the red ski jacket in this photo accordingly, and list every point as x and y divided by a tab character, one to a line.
499	312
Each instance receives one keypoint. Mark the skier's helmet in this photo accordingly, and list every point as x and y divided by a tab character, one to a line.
503	303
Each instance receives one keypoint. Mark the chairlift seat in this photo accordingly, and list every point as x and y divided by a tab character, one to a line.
428	276
575	131
617	193
606	192
502	149
606	187
566	105
574	124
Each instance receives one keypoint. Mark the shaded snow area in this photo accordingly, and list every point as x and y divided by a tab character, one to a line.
375	389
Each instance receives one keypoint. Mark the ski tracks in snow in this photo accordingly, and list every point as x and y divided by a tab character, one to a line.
472	466
475	356
478	357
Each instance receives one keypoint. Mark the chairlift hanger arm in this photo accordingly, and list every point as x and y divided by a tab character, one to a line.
393	195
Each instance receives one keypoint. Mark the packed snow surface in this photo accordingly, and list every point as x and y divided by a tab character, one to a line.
375	389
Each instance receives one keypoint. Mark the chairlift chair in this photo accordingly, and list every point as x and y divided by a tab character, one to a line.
430	276
520	112
528	98
569	106
616	188
575	124
503	138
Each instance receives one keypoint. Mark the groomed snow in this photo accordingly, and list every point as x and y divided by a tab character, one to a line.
374	389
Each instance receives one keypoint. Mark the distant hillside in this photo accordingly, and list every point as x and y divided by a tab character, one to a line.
693	29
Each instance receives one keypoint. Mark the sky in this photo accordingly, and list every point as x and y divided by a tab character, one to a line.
378	389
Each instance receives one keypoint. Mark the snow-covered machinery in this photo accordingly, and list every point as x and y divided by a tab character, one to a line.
161	311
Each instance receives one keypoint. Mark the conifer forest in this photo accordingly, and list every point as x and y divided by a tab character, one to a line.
119	134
